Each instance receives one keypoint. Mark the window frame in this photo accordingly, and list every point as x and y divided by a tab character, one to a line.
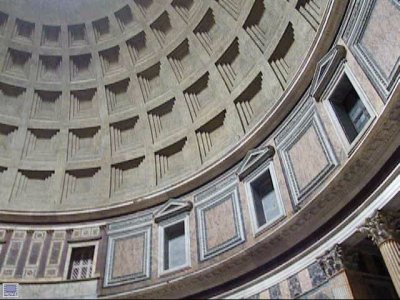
255	175
345	71
69	254
161	243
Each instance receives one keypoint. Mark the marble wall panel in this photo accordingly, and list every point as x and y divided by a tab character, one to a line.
219	222
128	254
305	150
375	42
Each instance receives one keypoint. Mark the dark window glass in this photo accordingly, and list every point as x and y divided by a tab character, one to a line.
174	246
265	201
349	109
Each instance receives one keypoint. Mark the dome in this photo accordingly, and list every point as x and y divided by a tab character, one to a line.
187	148
123	104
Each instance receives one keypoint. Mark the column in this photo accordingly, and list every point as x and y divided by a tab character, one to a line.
381	229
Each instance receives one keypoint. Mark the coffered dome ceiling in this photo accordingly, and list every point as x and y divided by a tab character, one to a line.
120	105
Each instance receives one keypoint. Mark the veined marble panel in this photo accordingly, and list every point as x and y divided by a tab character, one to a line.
375	42
128	255
305	151
219	222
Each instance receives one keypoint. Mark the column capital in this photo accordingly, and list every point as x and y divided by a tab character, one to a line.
332	260
339	257
381	227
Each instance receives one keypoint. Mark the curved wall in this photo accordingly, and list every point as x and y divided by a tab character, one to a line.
325	183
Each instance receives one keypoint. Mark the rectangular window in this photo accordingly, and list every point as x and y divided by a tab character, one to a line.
81	263
349	108
174	246
264	199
